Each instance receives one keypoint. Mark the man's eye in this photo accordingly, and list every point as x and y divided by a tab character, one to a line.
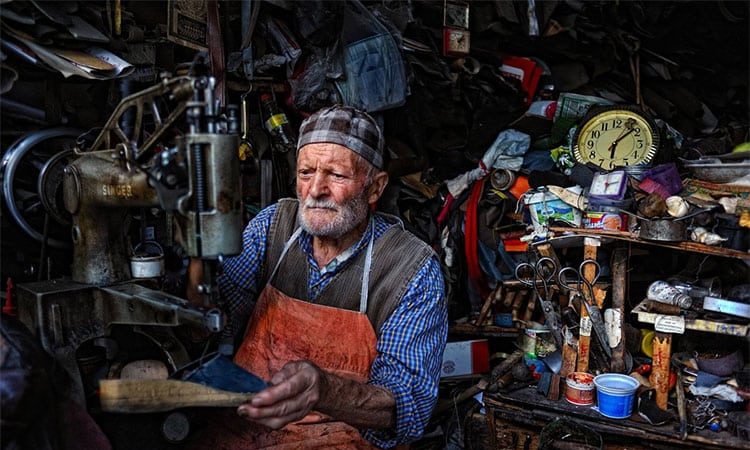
304	173
338	176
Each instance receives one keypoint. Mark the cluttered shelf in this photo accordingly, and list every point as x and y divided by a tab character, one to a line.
527	406
630	237
678	323
485	331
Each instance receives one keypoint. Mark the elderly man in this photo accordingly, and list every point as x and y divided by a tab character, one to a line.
350	321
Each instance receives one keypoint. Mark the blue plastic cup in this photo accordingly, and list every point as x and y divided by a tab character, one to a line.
615	394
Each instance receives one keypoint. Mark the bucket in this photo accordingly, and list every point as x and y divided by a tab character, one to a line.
615	394
579	388
144	264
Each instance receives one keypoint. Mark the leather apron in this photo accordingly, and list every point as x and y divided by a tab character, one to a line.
284	329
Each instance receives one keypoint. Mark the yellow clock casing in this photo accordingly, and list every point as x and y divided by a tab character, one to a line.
616	136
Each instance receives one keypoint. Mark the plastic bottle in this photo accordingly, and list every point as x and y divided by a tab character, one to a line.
661	291
276	122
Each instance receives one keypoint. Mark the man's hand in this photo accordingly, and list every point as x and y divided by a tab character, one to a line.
295	391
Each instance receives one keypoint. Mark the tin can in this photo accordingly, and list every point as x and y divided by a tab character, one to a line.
579	388
502	179
605	220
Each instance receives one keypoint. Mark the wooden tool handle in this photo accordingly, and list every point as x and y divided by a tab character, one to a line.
144	396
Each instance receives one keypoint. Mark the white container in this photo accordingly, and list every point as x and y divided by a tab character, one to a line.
546	206
146	265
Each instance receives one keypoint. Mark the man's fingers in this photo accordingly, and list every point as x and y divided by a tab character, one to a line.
275	416
286	372
288	383
275	422
295	391
285	390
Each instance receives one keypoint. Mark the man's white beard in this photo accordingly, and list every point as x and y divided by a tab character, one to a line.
348	216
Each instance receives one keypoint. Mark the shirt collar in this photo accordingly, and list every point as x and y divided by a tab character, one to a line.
305	242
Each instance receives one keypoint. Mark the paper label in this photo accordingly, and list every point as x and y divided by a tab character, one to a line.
585	326
612	321
593	242
670	324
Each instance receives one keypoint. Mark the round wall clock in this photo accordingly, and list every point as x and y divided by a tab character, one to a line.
616	136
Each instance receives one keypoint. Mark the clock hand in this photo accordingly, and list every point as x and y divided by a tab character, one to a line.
623	136
616	141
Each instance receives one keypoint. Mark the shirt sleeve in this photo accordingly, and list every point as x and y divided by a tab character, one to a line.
410	352
238	284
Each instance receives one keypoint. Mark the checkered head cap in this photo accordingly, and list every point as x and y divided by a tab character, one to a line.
347	126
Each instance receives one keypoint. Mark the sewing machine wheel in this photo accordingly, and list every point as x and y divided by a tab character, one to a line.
32	183
50	187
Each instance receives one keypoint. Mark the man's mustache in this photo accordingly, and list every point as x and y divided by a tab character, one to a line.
322	204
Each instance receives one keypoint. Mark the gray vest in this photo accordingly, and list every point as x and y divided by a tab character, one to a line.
397	256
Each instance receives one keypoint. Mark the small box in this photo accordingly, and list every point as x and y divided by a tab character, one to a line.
545	207
465	358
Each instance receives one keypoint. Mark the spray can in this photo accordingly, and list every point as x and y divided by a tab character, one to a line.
663	292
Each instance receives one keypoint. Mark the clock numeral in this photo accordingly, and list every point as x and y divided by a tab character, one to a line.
640	143
595	134
592	155
605	126
626	161
601	162
637	131
635	155
611	165
616	123
590	143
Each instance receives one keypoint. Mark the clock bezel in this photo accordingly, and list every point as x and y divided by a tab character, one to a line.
630	110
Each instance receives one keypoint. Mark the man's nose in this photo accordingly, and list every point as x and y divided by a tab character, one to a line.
318	185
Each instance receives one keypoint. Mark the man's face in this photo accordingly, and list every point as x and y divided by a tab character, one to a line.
332	190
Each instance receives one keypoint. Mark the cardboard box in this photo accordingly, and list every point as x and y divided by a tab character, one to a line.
546	207
465	358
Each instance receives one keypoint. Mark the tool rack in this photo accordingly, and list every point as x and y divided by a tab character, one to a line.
525	407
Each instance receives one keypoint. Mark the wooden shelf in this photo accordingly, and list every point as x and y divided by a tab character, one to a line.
709	326
687	246
484	331
528	407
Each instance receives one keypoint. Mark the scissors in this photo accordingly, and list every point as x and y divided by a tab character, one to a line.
544	271
581	281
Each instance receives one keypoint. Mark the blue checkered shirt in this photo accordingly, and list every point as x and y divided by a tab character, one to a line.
412	339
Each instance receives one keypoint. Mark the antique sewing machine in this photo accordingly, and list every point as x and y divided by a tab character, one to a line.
178	158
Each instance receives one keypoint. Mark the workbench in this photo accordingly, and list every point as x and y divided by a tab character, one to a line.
526	407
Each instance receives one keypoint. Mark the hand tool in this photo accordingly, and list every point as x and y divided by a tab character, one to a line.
591	308
543	270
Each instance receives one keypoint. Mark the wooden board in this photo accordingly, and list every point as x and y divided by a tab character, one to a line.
584	342
619	288
709	326
144	396
688	246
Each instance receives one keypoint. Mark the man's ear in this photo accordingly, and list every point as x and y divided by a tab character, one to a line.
379	181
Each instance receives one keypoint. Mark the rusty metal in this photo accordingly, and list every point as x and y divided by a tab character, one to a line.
178	90
102	185
64	314
207	232
97	193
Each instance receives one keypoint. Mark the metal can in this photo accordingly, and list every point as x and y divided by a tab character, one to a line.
502	179
579	388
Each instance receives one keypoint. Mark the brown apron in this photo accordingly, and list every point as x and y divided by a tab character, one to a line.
284	329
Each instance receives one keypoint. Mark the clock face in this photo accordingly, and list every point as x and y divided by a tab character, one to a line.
611	185
456	42
616	137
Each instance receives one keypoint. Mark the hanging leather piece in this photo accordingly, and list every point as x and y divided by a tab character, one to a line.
471	239
216	50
